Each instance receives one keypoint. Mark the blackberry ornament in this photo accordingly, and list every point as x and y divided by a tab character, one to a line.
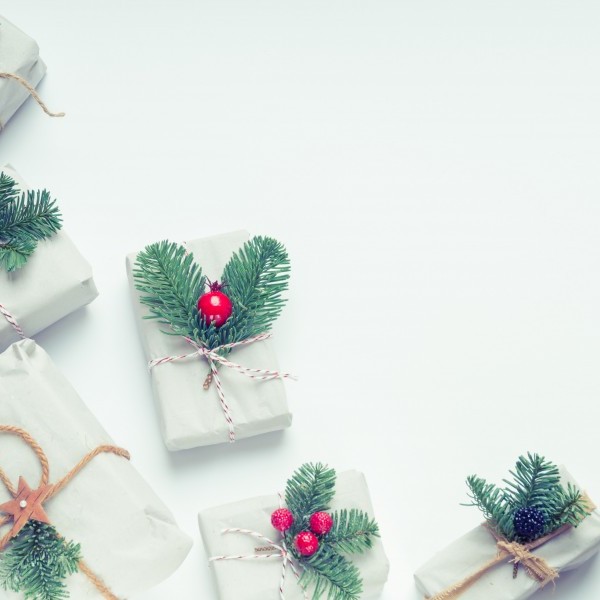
529	523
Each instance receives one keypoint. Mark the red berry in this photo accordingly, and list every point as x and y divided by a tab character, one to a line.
215	306
306	543
282	519
321	523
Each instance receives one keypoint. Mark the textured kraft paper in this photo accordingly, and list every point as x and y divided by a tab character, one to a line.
20	55
470	552
55	281
259	579
191	416
128	536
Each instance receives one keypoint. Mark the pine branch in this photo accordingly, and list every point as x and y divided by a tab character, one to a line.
37	562
24	220
536	491
9	191
310	490
14	254
352	532
256	277
33	216
331	576
171	283
535	479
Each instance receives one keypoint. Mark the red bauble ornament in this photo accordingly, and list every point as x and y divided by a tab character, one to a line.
321	523
306	543
214	306
282	519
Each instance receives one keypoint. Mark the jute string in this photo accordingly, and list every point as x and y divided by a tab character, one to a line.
214	358
32	92
513	553
56	488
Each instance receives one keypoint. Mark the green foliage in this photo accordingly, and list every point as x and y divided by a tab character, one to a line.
352	532
328	572
310	489
171	282
37	562
536	484
25	219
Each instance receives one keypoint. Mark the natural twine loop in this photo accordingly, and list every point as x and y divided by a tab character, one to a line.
32	92
56	488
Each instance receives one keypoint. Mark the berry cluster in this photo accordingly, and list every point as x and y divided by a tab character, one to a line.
305	542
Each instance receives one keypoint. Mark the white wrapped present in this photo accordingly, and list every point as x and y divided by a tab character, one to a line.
19	56
55	281
191	416
260	579
129	539
466	559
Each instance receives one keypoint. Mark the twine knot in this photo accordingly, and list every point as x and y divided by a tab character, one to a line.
537	568
215	356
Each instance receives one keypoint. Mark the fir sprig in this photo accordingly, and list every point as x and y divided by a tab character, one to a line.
171	283
328	572
25	219
535	486
37	562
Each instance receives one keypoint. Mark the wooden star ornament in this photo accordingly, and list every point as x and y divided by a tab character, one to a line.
26	506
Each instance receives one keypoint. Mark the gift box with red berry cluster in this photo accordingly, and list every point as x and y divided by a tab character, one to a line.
319	539
205	309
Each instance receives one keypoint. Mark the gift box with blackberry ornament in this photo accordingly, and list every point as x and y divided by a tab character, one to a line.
318	540
43	277
538	526
204	310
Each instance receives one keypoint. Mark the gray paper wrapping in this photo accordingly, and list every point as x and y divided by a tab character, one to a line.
259	579
20	55
128	536
467	555
56	281
191	416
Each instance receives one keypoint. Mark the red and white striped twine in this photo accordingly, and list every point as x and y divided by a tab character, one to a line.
283	553
213	357
12	321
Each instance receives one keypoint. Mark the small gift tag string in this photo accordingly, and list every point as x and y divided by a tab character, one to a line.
283	553
214	358
12	321
32	92
46	491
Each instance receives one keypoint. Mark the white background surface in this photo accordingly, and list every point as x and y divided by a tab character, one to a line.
432	168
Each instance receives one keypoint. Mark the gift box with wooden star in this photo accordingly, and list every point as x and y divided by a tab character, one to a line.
204	310
43	277
317	540
19	58
76	518
539	526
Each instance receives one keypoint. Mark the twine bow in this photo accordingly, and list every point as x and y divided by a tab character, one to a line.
214	357
32	92
281	552
12	321
28	504
512	552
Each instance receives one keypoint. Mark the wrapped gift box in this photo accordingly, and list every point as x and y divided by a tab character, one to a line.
191	416
469	553
259	579
56	281
128	536
19	55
